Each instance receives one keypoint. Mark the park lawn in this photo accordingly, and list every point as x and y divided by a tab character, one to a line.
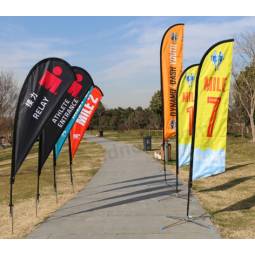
228	197
87	161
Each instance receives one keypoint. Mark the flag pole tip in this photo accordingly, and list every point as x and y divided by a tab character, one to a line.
193	200
157	200
162	228
165	216
212	228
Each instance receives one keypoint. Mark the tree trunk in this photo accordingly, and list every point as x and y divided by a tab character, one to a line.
252	126
243	131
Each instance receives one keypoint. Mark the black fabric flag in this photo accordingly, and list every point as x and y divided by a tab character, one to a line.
42	90
63	113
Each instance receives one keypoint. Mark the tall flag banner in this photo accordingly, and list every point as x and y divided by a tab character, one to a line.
208	148
185	112
81	124
63	113
42	90
62	139
171	53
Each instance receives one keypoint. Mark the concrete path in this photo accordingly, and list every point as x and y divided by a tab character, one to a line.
121	202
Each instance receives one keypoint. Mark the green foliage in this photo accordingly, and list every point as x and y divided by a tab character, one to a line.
113	123
155	103
104	122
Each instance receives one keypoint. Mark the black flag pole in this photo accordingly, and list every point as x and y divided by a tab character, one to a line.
11	206
38	172
54	173
71	162
162	108
37	194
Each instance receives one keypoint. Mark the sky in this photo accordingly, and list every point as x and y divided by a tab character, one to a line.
121	53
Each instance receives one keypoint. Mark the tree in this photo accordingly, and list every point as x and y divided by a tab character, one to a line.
138	117
155	103
128	121
139	108
244	74
100	111
125	113
237	114
156	121
9	93
104	122
113	123
148	116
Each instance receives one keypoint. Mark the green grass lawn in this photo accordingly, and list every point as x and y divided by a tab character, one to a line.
229	197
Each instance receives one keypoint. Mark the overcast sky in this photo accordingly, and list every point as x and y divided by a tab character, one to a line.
120	53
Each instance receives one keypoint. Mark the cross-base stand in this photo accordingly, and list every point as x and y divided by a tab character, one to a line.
187	219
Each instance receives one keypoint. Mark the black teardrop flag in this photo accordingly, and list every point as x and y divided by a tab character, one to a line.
63	113
42	90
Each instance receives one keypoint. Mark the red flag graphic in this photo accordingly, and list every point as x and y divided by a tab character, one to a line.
81	124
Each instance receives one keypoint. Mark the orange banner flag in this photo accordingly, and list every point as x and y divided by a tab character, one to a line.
171	53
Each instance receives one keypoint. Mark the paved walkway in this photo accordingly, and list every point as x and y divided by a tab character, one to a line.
121	202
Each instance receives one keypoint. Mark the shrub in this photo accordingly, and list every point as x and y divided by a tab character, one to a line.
122	127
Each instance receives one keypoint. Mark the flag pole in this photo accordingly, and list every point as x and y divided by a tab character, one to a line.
162	107
54	173
39	170
37	194
11	206
71	162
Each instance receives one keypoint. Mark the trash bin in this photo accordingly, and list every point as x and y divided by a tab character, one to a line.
147	143
101	133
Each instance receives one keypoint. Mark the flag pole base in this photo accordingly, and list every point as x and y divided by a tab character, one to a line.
36	202
72	186
56	192
188	219
11	214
